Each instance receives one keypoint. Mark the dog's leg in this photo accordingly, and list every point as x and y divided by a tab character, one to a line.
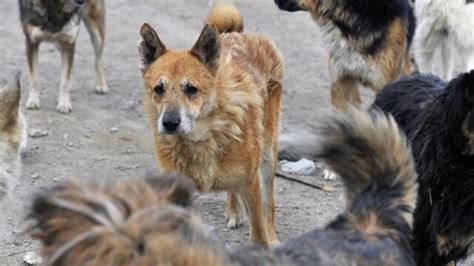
447	60
252	199
345	92
67	60
94	19
426	42
32	57
270	157
233	210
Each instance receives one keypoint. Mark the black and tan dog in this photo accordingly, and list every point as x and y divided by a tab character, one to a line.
148	223
58	21
438	119
368	41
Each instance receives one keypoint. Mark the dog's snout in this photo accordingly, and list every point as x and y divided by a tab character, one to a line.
171	121
79	2
288	5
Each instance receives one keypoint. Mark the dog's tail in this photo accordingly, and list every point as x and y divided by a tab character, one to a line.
97	225
225	17
371	155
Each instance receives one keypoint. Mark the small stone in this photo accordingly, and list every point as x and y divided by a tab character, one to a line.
113	130
37	133
35	176
302	167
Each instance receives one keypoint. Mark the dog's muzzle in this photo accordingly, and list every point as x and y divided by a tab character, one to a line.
171	122
288	5
79	2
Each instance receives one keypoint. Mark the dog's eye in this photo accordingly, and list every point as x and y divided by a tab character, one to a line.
160	89
190	90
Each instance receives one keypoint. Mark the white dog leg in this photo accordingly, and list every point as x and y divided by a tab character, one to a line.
447	60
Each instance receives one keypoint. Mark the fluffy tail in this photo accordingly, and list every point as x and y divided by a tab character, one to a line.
372	157
107	225
225	17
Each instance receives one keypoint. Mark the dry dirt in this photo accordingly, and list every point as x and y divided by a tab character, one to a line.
107	138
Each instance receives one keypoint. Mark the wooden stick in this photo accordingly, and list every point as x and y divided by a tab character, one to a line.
287	177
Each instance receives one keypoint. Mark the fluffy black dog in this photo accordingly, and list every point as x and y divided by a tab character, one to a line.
438	119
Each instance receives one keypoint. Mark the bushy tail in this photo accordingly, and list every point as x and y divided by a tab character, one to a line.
103	225
371	155
225	17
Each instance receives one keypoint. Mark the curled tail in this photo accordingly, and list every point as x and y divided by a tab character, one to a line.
371	155
225	17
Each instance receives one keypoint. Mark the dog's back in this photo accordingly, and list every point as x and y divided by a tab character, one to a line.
12	135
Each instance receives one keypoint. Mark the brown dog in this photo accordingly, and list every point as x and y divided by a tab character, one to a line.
215	110
58	21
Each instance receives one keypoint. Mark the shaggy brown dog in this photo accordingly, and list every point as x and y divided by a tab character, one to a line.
215	111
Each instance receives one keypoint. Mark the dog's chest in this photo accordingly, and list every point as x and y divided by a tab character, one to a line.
67	34
344	59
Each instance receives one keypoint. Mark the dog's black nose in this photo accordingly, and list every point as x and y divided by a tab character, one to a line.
288	5
79	2
171	121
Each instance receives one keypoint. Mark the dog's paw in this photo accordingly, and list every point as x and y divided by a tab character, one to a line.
233	222
64	107
329	175
33	103
99	89
274	243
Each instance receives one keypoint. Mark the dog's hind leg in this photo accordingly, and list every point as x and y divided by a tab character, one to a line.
469	65
233	210
270	158
32	57
345	92
94	19
252	199
67	60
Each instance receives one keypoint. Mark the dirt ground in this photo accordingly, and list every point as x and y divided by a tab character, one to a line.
107	138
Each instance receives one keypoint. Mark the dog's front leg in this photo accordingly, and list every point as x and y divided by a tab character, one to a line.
67	60
96	26
32	57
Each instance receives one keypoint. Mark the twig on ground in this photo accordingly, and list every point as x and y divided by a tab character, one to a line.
287	177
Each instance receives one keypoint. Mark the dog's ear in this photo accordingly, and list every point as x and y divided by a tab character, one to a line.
207	47
150	47
178	188
10	99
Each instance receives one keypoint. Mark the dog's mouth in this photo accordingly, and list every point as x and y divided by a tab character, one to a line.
290	6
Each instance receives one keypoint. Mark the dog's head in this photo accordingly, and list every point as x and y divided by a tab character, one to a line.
179	85
12	125
296	5
134	222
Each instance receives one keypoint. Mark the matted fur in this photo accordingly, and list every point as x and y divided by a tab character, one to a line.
445	26
227	125
368	42
12	135
148	223
437	117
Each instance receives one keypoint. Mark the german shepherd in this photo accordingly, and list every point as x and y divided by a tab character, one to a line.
438	119
58	21
149	223
215	111
368	40
12	135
